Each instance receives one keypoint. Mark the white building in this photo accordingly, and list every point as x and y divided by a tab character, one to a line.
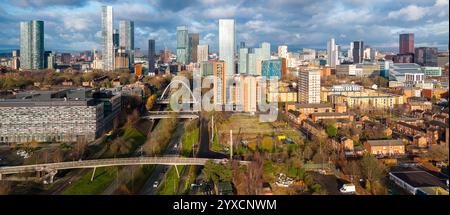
332	53
227	44
309	86
107	35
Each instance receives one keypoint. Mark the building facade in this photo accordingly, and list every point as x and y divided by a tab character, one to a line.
426	56
61	116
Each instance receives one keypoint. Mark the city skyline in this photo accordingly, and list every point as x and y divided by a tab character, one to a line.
79	29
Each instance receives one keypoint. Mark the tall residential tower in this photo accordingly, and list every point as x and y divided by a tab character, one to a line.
32	45
227	39
107	35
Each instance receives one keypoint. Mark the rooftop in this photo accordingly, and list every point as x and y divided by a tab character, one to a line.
396	142
417	177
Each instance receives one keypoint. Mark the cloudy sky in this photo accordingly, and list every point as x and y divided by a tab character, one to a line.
76	24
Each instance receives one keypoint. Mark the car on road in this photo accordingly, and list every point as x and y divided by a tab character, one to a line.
155	184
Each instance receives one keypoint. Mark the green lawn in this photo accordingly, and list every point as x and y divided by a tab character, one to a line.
170	184
189	139
134	136
103	178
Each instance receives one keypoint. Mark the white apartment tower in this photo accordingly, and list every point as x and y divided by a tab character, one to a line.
309	86
332	53
227	44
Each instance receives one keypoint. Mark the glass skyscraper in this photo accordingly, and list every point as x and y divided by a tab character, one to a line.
182	45
126	38
193	47
32	45
358	51
107	35
227	45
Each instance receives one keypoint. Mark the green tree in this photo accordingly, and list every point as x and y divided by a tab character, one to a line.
331	130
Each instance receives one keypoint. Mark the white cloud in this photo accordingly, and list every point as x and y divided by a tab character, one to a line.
410	13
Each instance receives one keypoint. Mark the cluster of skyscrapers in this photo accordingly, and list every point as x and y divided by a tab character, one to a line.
187	46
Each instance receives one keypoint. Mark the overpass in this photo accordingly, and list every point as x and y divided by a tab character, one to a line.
52	168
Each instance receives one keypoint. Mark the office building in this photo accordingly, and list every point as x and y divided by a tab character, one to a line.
32	45
426	56
182	45
432	71
309	86
406	43
272	68
58	116
358	51
193	47
151	55
243	55
227	38
107	35
202	53
397	71
332	53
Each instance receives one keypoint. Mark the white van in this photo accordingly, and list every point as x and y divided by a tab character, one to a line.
348	188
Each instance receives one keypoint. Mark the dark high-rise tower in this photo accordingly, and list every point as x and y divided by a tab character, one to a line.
406	43
116	38
358	51
151	55
193	43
